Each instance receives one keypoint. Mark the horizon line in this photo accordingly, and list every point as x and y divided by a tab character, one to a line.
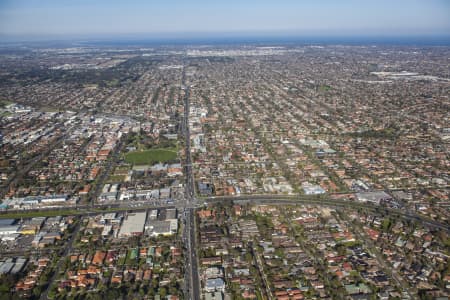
195	37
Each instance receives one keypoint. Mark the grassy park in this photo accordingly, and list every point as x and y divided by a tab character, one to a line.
152	156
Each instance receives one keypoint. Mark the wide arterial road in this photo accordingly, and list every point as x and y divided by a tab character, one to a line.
192	283
326	201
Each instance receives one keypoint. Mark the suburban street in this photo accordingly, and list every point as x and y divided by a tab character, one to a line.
379	257
105	174
64	255
23	170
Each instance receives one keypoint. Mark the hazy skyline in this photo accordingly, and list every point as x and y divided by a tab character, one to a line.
65	18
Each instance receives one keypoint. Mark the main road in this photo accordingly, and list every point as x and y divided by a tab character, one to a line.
192	282
191	202
325	200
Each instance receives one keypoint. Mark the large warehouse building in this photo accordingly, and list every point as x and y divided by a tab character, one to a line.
133	224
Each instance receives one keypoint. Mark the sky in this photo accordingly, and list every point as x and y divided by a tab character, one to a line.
66	18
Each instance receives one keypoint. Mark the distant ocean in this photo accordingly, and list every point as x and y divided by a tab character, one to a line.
219	40
413	41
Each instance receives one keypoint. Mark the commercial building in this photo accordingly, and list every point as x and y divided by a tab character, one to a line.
216	284
156	228
373	197
9	229
133	224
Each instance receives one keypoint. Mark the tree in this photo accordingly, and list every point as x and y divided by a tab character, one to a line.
163	292
37	290
248	257
94	296
386	224
279	252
